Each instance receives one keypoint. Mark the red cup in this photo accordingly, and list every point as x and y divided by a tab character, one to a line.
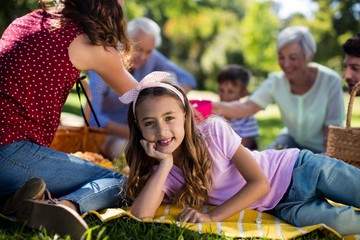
202	106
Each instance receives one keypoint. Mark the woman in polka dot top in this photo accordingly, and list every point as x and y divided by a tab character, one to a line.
41	56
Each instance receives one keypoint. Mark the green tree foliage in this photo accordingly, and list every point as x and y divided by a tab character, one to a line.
346	17
324	33
260	28
199	38
11	9
191	29
333	23
204	35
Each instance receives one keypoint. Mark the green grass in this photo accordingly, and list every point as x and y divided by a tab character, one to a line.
125	228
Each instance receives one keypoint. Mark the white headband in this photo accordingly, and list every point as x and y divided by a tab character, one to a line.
151	80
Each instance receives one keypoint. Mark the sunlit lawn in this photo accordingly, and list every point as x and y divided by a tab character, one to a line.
269	123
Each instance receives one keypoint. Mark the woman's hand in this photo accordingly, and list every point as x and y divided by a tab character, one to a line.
197	114
193	216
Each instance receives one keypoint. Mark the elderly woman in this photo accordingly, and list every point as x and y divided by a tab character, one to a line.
309	95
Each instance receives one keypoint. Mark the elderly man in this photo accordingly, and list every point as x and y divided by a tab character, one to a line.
145	34
351	72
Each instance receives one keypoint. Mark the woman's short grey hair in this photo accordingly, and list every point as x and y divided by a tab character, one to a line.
298	34
147	26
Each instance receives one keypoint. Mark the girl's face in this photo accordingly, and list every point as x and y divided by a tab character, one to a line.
161	121
291	59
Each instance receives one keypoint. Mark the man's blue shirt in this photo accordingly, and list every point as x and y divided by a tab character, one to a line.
106	102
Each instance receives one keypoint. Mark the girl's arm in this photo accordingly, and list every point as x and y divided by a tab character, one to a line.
107	62
256	187
151	196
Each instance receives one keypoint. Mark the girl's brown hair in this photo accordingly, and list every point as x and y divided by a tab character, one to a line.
195	162
102	21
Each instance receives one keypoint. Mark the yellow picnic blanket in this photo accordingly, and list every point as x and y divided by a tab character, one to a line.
246	224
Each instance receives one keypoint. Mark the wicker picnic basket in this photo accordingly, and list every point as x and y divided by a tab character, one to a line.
344	143
74	139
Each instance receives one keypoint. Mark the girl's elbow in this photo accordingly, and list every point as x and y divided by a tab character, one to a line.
265	187
142	215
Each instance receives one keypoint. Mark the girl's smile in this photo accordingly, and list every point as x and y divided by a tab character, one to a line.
164	142
161	121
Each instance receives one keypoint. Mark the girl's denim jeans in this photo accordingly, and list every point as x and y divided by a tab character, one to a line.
67	177
315	178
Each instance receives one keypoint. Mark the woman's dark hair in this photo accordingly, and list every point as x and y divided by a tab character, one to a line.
102	21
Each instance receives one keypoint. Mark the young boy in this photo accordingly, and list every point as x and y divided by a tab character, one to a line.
232	86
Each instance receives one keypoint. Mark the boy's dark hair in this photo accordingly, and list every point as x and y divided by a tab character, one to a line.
352	46
235	73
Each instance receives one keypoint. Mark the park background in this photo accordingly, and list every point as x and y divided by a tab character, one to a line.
202	36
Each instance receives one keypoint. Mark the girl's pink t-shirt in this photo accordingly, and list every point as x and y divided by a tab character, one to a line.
222	142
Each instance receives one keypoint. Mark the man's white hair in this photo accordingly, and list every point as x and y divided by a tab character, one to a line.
147	26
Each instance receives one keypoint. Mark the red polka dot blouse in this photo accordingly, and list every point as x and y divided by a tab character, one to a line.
36	76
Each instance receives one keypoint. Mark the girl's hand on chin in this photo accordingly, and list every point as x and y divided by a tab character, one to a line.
150	149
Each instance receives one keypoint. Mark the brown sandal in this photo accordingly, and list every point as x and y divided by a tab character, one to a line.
55	218
32	189
34	206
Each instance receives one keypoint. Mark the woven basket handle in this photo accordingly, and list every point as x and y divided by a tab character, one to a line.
80	87
351	102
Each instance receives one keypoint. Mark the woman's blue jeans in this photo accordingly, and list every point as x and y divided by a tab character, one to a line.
315	178
67	177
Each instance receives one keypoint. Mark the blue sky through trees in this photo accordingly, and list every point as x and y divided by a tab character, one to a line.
289	7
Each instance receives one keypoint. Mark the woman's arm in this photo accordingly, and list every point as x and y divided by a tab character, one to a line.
107	62
235	109
257	186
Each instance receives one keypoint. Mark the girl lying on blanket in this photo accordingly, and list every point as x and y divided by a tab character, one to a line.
173	159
